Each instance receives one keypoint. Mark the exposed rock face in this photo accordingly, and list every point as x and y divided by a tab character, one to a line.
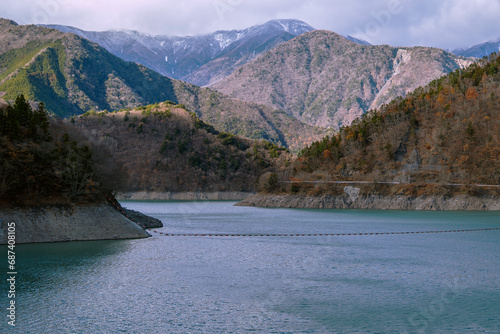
347	201
68	223
323	79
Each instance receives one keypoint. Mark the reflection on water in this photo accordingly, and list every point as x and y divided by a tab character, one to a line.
433	283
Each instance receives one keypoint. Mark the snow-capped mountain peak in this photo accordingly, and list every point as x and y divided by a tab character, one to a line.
295	27
184	57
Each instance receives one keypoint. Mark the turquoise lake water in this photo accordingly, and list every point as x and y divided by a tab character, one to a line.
415	283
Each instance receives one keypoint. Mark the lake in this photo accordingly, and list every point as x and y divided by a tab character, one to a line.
402	283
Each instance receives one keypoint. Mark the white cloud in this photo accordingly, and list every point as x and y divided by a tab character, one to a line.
458	23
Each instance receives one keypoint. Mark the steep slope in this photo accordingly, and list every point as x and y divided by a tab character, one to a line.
200	60
323	79
479	50
73	75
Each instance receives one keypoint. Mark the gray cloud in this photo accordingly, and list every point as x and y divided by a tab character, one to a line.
445	24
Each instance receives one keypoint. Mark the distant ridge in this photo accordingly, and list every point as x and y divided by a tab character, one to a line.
479	50
356	40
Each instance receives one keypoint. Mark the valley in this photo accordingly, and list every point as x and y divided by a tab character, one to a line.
233	166
73	76
315	106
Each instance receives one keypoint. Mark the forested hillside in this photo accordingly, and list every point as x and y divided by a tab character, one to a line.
72	75
161	147
165	148
446	132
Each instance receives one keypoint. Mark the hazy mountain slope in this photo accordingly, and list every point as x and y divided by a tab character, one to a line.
196	59
479	50
323	79
356	40
237	54
72	76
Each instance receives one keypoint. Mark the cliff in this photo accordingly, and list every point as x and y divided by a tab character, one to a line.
54	223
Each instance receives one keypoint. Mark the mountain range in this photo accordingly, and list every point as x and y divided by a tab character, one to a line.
72	75
479	50
319	77
200	60
323	79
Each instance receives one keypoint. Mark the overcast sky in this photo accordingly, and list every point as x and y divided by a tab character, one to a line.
446	24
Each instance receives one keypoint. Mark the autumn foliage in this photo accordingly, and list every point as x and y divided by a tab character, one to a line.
445	132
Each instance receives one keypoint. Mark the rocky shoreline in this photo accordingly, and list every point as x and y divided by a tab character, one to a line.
376	202
187	196
55	223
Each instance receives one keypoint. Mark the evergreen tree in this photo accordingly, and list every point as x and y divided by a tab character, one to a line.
22	112
32	166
